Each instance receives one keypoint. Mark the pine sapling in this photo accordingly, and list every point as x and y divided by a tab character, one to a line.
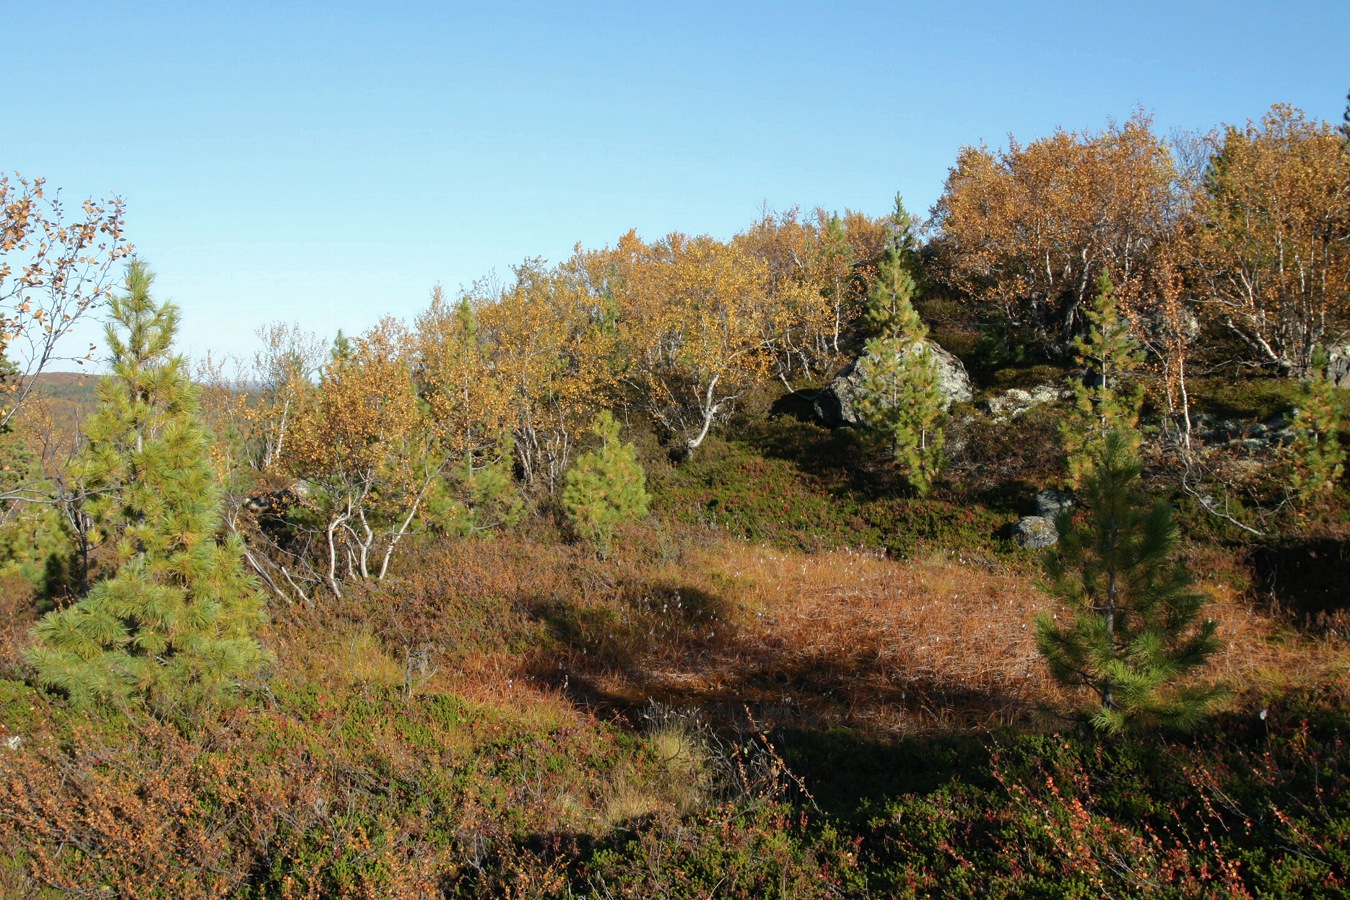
1135	627
1105	401
899	394
1316	454
173	623
605	487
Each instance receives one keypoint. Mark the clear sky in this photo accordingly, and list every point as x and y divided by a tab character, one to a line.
328	163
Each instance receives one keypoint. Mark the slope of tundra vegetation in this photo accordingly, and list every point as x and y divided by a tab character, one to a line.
576	588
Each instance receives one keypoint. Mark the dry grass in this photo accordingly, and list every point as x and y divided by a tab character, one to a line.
1264	655
853	639
349	655
549	635
812	640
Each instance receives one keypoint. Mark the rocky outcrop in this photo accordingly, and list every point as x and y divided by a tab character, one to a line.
834	407
1014	402
1034	532
1252	437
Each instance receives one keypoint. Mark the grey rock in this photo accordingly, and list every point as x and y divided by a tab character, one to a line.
1034	532
1338	365
1015	401
1050	504
274	504
1280	436
1161	329
1250	437
834	405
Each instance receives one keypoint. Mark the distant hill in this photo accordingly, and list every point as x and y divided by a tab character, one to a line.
79	388
59	403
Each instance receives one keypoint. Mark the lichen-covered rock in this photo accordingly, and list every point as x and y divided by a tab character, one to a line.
834	404
1034	532
1015	401
1252	437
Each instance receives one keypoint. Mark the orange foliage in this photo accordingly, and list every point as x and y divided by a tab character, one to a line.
1028	231
819	269
1270	241
552	350
361	444
697	323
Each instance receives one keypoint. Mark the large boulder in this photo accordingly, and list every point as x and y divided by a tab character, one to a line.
834	405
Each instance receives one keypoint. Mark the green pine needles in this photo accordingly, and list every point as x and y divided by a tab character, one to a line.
898	387
1318	459
605	487
174	622
1107	401
1135	627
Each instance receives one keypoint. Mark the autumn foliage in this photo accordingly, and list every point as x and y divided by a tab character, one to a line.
1027	231
569	593
1270	241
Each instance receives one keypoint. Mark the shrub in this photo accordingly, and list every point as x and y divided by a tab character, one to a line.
605	487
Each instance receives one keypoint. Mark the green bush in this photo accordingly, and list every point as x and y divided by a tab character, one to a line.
605	488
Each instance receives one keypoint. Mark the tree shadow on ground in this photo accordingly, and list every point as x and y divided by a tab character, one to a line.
1305	581
997	465
675	646
844	461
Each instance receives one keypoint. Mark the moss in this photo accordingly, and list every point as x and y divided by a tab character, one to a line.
1247	399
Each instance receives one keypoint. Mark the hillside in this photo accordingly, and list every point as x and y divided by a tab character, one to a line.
766	691
71	386
999	555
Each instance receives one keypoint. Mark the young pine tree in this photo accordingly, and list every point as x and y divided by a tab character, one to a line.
478	495
1106	401
174	621
904	241
1136	626
605	487
898	390
1316	453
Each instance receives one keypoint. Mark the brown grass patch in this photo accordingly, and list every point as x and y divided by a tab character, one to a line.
844	638
856	639
551	634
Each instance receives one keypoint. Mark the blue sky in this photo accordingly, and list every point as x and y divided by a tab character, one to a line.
329	163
